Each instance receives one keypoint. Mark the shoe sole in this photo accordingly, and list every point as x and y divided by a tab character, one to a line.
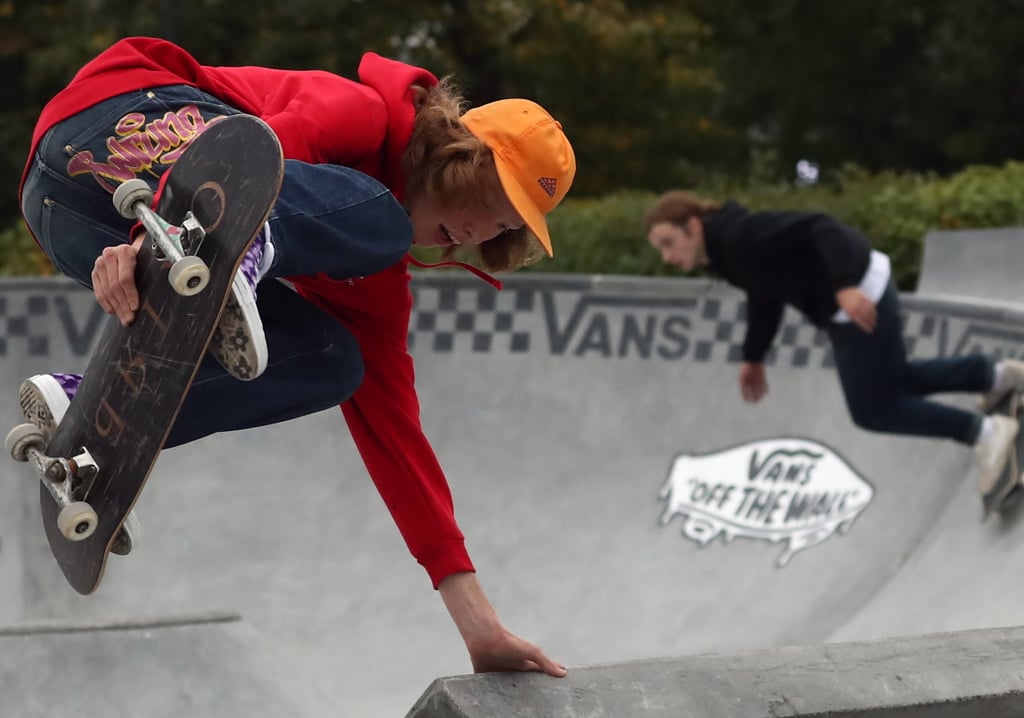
35	407
1004	459
234	346
128	537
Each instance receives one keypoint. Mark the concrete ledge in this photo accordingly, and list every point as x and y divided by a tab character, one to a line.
978	263
970	673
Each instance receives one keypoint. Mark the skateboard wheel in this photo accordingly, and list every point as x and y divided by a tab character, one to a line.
189	275
77	521
21	438
130	192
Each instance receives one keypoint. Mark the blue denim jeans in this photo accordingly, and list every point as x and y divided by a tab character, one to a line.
885	392
328	218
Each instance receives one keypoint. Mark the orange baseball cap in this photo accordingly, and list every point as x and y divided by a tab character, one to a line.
535	161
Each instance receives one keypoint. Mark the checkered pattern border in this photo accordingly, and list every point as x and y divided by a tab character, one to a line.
462	317
22	328
446	319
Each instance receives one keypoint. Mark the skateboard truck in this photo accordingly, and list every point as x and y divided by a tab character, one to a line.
63	478
186	238
189	274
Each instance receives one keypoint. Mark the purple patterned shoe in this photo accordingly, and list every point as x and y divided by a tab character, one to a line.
44	398
239	343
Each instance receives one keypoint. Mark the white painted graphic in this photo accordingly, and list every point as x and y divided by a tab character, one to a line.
791	490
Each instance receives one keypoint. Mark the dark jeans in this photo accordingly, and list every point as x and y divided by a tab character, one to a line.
328	218
885	392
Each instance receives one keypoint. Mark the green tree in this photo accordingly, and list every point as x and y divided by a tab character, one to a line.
915	85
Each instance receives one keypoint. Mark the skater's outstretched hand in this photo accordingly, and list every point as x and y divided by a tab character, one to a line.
491	646
113	280
753	383
508	652
858	307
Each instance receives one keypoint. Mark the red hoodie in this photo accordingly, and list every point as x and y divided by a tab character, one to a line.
321	117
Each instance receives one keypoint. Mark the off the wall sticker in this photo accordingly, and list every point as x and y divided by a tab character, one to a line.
795	491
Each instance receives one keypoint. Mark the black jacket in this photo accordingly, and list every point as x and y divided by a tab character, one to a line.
796	258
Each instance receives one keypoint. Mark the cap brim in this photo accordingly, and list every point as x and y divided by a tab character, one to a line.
532	217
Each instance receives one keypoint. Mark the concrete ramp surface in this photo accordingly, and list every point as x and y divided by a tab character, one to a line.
620	501
209	666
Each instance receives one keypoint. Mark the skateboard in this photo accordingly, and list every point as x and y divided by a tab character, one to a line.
1008	491
92	469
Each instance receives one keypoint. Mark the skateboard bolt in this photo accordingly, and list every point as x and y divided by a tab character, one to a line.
55	471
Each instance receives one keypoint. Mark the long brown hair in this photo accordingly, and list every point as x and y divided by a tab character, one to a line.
446	159
677	207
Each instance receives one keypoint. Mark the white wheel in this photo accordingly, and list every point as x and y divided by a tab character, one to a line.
21	437
77	521
189	275
130	192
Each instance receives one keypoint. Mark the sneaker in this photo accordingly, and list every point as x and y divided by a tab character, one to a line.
1012	379
44	400
128	537
239	343
993	453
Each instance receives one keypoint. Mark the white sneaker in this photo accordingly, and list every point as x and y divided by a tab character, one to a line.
238	342
1012	379
44	400
993	453
128	537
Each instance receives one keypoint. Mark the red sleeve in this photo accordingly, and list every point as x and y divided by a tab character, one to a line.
384	417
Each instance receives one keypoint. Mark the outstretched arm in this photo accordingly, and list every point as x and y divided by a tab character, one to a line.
491	646
383	416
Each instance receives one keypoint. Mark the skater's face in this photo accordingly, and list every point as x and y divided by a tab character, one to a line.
487	216
680	246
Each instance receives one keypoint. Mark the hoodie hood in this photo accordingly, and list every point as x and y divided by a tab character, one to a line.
392	80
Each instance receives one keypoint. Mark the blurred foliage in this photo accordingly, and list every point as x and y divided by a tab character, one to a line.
19	254
895	211
724	95
915	85
594	65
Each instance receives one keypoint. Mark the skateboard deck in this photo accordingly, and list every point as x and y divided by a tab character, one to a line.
138	376
1008	490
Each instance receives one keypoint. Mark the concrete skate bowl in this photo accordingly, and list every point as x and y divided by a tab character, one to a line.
159	669
620	502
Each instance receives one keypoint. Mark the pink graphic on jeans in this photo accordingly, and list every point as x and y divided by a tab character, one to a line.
137	146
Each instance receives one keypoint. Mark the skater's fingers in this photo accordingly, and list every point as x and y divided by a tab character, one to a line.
100	283
867	318
114	282
126	280
114	289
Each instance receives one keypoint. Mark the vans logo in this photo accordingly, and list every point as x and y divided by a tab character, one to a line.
779	490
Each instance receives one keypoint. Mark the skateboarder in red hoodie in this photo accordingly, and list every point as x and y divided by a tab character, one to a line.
371	167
